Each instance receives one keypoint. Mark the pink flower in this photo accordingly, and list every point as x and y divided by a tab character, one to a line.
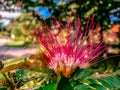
68	47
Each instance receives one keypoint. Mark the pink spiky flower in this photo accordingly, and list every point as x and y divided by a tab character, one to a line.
65	49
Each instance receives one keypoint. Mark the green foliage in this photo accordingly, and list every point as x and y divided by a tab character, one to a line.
82	87
82	79
64	84
114	81
20	73
118	71
50	86
81	74
3	88
109	82
88	82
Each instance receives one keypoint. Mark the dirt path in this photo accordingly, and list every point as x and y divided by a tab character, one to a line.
11	52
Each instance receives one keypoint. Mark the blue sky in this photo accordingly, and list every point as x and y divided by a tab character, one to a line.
44	12
56	1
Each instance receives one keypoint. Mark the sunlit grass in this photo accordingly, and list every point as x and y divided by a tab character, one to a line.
1	76
14	43
11	61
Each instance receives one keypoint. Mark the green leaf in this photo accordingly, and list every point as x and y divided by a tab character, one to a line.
90	81
65	84
106	84
82	73
20	73
94	84
48	87
98	87
3	88
82	87
118	71
51	86
111	82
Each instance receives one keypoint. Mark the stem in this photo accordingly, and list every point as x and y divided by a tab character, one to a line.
58	80
12	82
9	80
5	76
